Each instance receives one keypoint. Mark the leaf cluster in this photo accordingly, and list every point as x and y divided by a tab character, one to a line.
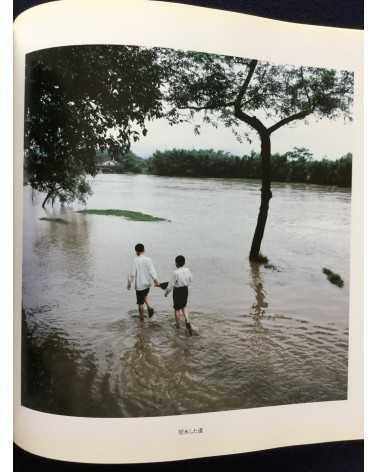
81	99
277	94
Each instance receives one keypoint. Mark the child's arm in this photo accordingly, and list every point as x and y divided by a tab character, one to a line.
153	274
170	286
131	277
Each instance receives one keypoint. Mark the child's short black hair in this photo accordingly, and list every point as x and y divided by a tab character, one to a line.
180	261
139	247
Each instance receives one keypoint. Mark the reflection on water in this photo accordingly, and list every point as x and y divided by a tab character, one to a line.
262	337
258	308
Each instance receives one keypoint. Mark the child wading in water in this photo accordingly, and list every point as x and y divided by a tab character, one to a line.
182	278
143	273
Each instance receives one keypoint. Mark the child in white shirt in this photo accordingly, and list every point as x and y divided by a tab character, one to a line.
143	274
181	279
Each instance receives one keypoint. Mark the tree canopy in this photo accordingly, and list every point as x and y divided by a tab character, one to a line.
80	99
229	89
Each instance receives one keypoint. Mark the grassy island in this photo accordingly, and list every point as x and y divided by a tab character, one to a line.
128	214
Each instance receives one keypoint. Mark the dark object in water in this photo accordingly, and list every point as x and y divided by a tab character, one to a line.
334	278
164	285
261	259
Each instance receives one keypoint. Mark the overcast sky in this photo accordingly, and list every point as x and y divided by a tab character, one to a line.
326	138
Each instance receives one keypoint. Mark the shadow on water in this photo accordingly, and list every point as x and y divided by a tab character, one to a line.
152	365
295	360
59	378
71	239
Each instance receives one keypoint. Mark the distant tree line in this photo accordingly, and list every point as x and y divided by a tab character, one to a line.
297	165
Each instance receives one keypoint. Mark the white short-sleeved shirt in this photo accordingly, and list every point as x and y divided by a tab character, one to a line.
182	277
143	272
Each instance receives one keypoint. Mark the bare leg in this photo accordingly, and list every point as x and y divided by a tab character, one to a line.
187	320
141	312
147	302
149	307
185	312
177	317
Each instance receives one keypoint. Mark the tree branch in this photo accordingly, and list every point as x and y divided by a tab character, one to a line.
207	106
239	98
239	113
305	88
297	116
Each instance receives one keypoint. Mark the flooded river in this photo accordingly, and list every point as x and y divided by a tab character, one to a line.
263	336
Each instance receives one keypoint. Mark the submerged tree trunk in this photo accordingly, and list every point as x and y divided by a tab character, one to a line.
47	198
266	195
264	134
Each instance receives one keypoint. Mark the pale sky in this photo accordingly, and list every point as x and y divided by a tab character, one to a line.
325	138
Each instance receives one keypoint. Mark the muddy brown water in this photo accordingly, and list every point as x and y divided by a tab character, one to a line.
263	336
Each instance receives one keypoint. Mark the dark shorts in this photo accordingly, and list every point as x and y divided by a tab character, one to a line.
141	295
180	297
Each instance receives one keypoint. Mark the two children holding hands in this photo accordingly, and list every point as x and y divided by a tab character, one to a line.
143	274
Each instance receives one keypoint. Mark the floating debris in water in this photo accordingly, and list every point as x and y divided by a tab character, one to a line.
263	260
334	278
271	266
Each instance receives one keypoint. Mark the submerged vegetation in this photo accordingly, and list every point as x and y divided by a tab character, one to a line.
268	265
264	261
261	259
334	278
128	214
55	220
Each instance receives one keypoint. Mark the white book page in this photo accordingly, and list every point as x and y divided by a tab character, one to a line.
153	439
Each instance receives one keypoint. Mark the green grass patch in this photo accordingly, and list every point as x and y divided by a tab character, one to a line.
55	220
334	278
130	215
